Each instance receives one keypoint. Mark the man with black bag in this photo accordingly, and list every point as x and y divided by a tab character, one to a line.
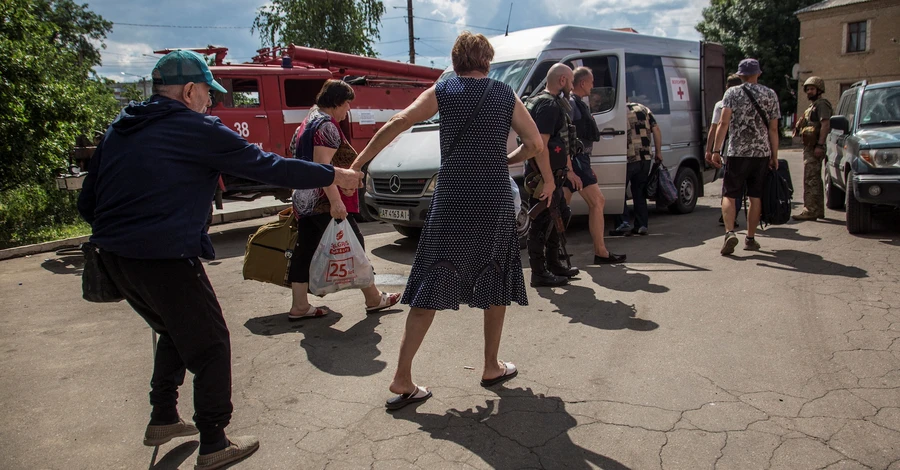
750	117
147	197
550	111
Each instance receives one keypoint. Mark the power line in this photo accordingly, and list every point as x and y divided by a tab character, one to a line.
446	22
179	26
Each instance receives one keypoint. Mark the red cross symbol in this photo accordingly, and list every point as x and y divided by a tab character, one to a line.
680	94
557	149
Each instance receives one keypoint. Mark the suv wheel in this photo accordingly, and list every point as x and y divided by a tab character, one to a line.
859	214
688	185
411	232
834	197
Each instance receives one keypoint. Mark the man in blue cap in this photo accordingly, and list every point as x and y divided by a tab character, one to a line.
750	118
147	197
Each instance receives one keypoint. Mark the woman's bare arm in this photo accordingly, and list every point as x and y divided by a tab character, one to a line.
424	107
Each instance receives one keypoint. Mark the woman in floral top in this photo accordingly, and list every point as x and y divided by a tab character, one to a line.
319	139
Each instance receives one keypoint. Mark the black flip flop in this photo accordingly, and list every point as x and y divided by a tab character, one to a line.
407	398
500	379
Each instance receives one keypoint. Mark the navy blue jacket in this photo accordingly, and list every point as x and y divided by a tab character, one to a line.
151	182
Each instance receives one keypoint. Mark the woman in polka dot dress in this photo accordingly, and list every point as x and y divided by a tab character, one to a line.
469	251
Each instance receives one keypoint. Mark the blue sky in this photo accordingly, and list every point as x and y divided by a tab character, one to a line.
129	51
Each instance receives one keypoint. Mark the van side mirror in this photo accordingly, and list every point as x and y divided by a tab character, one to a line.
840	123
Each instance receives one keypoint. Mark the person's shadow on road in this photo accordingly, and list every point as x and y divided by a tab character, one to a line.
521	429
581	305
802	262
175	457
65	265
346	353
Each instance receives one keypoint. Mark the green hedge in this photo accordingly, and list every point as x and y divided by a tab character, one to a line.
35	213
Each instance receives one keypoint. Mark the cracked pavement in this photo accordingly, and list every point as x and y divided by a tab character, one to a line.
787	358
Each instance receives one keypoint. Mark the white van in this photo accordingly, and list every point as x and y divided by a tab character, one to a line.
680	81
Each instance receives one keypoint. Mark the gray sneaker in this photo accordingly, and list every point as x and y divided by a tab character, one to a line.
751	244
159	435
239	448
731	241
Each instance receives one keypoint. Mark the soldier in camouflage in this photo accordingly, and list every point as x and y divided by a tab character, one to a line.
813	128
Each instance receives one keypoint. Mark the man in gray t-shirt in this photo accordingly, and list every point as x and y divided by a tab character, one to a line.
750	118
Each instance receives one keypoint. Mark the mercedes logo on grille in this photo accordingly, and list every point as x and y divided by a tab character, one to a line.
395	184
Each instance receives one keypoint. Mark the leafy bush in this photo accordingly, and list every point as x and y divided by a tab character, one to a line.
34	213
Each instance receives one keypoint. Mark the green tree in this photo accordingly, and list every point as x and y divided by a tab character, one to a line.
49	94
349	26
766	30
131	92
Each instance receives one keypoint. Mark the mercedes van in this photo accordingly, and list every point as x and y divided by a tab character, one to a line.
679	80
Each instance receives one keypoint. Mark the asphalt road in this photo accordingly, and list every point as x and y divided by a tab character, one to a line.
788	358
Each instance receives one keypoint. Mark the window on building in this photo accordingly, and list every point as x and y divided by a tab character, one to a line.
856	36
845	87
645	83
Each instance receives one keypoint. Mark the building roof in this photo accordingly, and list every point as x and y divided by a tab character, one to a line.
828	4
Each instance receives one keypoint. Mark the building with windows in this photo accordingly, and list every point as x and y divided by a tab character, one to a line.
845	41
143	86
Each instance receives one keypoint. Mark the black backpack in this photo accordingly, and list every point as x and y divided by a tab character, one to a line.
776	198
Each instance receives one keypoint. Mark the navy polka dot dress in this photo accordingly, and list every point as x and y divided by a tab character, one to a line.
469	251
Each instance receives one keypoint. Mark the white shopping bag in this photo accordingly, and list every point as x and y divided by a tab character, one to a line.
340	262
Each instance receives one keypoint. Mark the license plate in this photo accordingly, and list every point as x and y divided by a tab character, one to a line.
394	214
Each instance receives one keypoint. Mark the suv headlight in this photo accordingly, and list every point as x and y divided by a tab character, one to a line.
429	191
370	185
881	158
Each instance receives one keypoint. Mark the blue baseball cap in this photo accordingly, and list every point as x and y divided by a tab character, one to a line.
183	67
749	67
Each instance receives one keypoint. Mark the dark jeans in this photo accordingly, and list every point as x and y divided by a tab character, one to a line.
176	299
637	175
543	240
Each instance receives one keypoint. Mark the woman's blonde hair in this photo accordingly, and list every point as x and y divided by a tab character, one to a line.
472	53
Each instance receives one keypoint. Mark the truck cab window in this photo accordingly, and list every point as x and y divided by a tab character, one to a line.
242	93
301	93
644	82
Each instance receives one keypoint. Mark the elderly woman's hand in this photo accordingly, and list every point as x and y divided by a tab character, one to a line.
547	192
338	210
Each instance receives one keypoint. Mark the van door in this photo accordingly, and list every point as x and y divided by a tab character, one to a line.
607	104
241	109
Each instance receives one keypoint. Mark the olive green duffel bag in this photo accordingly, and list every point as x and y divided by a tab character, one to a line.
269	250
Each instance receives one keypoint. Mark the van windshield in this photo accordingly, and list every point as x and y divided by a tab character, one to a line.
512	73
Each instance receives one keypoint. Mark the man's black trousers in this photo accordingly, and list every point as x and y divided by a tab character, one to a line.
543	240
176	299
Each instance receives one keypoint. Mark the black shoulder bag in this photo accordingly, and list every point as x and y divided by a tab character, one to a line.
96	283
759	110
471	116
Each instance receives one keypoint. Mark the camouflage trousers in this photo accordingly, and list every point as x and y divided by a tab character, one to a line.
813	187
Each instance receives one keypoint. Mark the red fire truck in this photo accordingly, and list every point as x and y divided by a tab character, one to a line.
269	97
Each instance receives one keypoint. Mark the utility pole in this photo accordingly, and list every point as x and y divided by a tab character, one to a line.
412	36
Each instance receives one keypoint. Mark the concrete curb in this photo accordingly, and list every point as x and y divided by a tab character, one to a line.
26	250
217	219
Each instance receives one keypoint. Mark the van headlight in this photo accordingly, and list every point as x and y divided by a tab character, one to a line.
429	191
881	158
370	185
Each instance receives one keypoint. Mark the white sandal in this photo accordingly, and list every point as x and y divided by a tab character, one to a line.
311	313
387	300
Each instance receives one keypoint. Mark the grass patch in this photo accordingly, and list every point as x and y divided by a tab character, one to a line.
47	234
